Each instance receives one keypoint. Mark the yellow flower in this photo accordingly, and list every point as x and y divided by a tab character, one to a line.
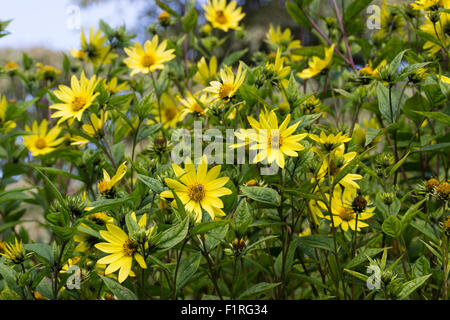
198	189
391	22
305	232
343	213
93	129
317	65
41	142
7	125
170	114
283	40
95	50
191	105
14	252
70	262
206	73
426	5
105	185
79	54
328	143
47	72
273	141
75	99
444	79
11	65
149	58
112	86
121	250
229	84
278	69
222	15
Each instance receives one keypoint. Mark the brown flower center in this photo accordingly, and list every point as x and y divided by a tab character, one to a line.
78	103
147	60
221	17
196	192
345	214
225	90
130	247
40	143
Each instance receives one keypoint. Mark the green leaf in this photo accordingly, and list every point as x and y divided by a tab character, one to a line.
243	218
392	226
383	103
187	269
395	63
41	249
147	131
208	226
165	7
255	244
358	275
174	235
412	285
257	289
438	116
121	292
421	267
262	194
53	189
106	204
296	13
398	164
154	184
434	147
9	274
234	57
354	9
410	214
319	241
361	257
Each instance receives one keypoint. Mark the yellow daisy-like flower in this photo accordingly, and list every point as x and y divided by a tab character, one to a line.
391	22
317	65
47	72
278	69
168	113
438	31
93	129
75	99
14	252
79	54
105	185
121	249
334	162
229	84
344	215
426	5
328	143
444	79
41	142
222	15
113	87
11	65
272	141
7	125
206	73
95	51
191	106
283	40
198	189
305	232
148	59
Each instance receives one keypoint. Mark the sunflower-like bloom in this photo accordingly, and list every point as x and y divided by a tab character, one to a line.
328	143
317	65
92	129
149	58
7	125
438	30
94	51
206	73
191	105
272	141
75	99
41	142
229	84
106	185
47	72
278	69
426	5
14	252
113	87
391	22
283	39
344	214
222	15
198	189
11	65
168	113
334	162
121	249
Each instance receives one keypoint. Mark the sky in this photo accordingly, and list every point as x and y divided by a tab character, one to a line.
54	24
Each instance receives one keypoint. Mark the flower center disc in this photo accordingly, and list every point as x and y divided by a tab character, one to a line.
170	113
147	60
40	143
225	90
221	17
130	247
345	214
196	192
78	103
